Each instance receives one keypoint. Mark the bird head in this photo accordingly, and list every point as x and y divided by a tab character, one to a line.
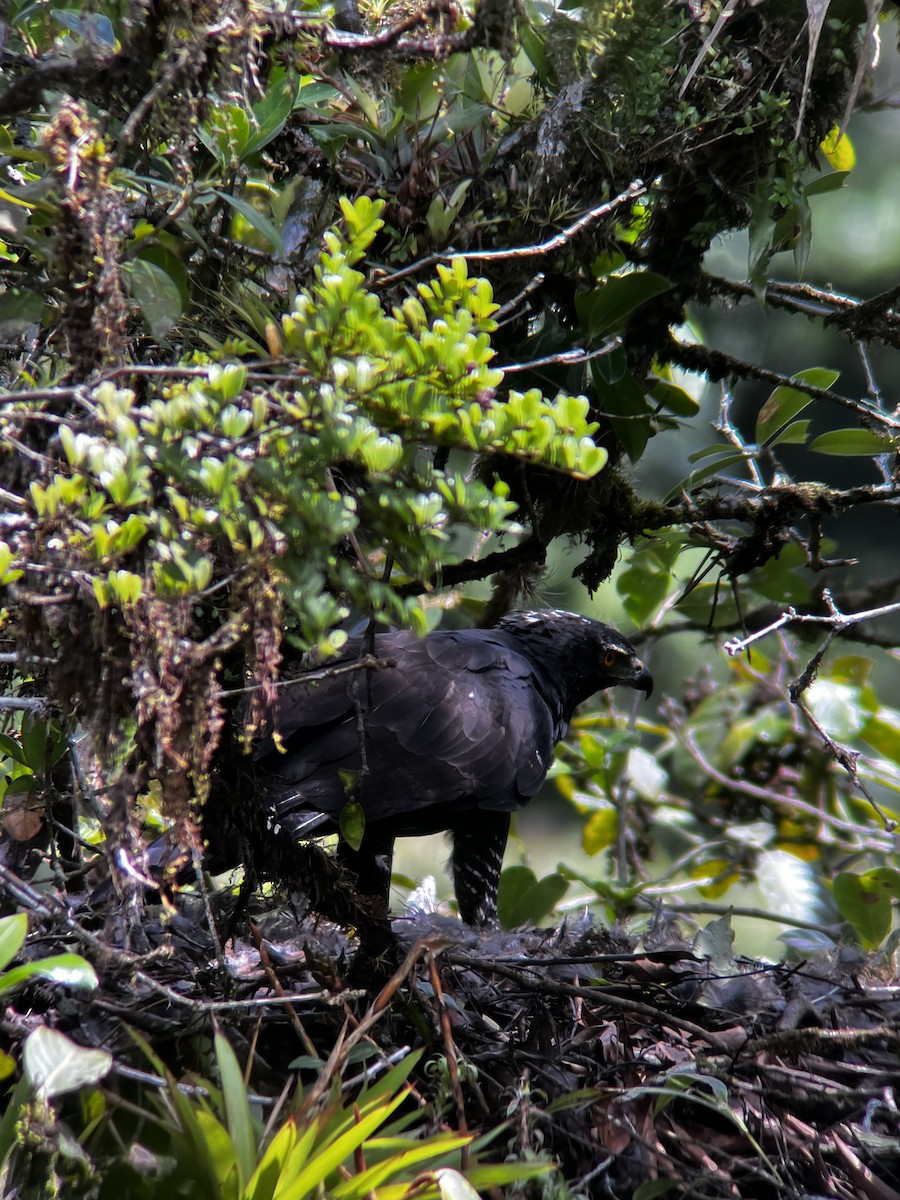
621	666
583	655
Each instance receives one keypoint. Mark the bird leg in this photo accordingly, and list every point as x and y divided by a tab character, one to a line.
371	864
478	847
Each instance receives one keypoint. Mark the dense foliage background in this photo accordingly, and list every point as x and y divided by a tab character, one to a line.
313	315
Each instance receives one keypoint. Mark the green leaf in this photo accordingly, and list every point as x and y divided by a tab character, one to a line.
803	243
20	308
866	901
707	601
259	221
9	1122
216	1150
67	970
55	1065
330	1155
13	931
534	49
353	824
522	899
794	434
285	1147
237	1108
226	134
762	232
785	403
643	586
400	1157
625	404
727	458
22	783
653	1188
485	1176
170	264
827	183
674	398
11	748
125	587
838	149
35	732
853	443
599	830
157	294
606	308
271	113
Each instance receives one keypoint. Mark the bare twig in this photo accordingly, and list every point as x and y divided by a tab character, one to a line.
848	759
23	703
596	995
757	914
565	357
450	1052
632	192
728	430
775	800
838	620
369	662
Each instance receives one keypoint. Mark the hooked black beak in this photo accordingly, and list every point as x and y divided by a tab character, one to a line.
642	681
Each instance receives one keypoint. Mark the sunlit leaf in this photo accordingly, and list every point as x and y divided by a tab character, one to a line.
599	830
258	220
838	149
13	930
674	398
54	1064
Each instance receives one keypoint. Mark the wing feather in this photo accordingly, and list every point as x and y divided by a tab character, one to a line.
458	721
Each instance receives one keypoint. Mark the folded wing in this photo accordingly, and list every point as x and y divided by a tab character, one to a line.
457	721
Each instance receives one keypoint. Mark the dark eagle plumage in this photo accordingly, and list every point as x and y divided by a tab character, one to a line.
454	731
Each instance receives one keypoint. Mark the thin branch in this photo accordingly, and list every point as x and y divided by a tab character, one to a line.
837	620
800	298
774	800
848	759
632	192
757	914
728	430
436	46
596	995
368	663
565	357
717	365
508	310
531	550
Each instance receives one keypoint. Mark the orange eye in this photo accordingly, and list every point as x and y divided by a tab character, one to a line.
609	659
